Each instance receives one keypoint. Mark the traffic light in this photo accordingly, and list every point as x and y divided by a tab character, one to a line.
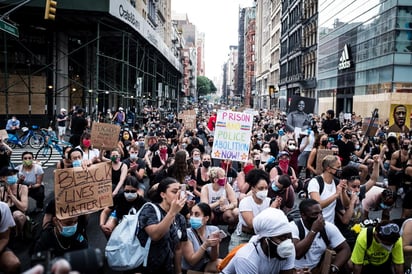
50	10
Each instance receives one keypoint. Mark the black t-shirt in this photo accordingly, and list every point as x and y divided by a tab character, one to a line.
79	124
161	253
48	241
330	125
61	123
122	206
345	150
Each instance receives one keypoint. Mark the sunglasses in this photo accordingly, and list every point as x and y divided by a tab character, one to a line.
129	191
389	229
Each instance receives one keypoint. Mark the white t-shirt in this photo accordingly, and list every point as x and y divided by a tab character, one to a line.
328	190
93	152
318	247
248	204
250	259
30	176
6	220
372	199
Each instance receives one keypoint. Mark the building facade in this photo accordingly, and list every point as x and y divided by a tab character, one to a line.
364	55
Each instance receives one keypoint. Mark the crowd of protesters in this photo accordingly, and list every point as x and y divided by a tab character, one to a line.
287	206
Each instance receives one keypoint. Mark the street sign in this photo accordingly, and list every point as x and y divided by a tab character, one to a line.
9	28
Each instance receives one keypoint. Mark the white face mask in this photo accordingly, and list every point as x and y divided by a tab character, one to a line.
261	195
285	249
266	150
130	196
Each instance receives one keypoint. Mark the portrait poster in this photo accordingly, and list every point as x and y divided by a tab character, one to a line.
81	191
401	120
320	154
232	135
309	104
105	135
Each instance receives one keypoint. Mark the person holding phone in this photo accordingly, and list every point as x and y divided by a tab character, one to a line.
201	250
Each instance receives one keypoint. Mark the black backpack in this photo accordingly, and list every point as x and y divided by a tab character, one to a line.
321	183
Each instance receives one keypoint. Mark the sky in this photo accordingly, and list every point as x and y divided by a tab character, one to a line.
219	20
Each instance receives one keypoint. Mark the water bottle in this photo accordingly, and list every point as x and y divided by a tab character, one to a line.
112	220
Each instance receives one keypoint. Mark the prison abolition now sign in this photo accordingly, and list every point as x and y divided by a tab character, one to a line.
81	191
232	135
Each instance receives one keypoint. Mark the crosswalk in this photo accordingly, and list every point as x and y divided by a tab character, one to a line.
17	152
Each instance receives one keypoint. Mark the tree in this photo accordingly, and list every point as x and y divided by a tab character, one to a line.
205	86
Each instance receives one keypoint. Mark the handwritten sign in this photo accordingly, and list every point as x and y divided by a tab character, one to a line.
188	118
232	135
78	191
3	134
320	154
105	135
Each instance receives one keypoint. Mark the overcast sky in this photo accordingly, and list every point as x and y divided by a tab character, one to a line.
218	19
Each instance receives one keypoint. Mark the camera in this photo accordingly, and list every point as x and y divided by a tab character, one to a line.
87	260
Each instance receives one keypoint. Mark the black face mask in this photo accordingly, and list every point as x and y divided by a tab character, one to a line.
405	147
338	173
324	143
210	144
257	163
347	136
206	164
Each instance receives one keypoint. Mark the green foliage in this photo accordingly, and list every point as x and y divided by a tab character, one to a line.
205	86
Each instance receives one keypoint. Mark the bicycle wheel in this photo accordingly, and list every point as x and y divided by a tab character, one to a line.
44	154
36	140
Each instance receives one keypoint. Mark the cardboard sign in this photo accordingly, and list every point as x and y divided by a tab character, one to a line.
232	135
373	127
105	135
3	134
320	154
188	118
78	191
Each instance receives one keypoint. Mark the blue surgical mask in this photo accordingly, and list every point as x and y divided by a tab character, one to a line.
195	222
68	231
383	206
77	163
133	156
275	187
11	180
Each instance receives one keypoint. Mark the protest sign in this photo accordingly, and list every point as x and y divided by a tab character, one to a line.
366	123
105	135
232	135
320	154
79	191
188	118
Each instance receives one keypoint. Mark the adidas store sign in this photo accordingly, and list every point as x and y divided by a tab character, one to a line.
344	61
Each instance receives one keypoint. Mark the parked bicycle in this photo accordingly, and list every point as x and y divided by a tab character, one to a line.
45	152
30	136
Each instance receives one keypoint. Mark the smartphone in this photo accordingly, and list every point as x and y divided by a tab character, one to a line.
182	191
222	234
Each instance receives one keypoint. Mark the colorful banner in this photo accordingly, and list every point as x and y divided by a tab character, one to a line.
232	135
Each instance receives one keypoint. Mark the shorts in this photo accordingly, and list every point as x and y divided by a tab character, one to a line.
62	131
353	164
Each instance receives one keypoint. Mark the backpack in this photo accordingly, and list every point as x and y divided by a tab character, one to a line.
302	233
229	257
124	250
321	183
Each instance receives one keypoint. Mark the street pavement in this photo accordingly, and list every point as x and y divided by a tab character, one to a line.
97	238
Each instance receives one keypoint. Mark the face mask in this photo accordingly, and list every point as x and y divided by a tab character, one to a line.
259	143
284	164
261	195
257	162
86	143
206	164
27	162
383	206
115	159
405	147
275	187
352	193
184	145
141	144
338	173
387	247
11	180
266	150
195	222
292	147
357	147
221	182
210	143
130	196
14	120
163	150
133	156
324	143
283	250
196	158
347	136
77	163
68	231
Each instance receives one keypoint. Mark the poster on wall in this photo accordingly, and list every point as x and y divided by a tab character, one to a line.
399	119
